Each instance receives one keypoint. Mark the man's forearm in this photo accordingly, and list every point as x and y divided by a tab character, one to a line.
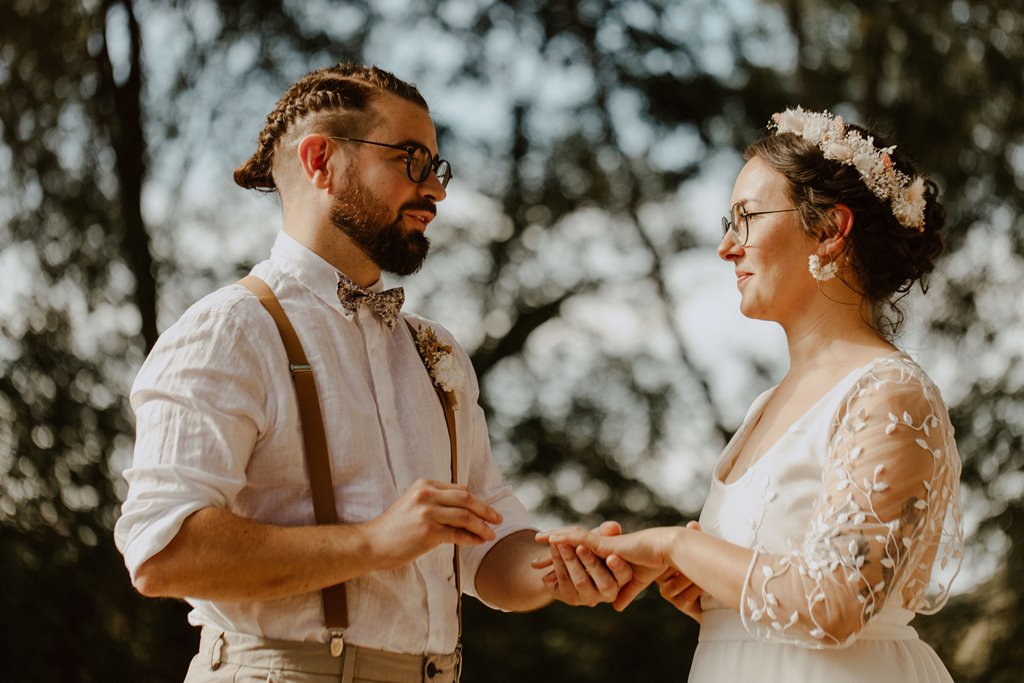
217	555
506	579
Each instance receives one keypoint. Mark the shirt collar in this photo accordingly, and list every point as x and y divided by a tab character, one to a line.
310	269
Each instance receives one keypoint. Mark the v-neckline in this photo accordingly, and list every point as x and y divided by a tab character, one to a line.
749	425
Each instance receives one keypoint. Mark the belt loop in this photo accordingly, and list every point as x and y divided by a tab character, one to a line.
348	664
217	651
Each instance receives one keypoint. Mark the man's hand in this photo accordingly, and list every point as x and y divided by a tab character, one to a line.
684	594
428	514
579	577
680	590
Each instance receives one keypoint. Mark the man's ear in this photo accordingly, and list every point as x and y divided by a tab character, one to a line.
314	150
840	223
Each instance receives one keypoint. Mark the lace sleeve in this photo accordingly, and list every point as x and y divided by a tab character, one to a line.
887	526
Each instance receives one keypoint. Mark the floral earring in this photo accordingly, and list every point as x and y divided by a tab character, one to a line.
821	272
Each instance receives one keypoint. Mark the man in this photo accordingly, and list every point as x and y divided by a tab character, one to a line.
219	509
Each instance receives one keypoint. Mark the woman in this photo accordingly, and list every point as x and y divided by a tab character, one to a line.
833	515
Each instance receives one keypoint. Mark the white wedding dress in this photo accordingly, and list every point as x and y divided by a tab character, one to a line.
854	516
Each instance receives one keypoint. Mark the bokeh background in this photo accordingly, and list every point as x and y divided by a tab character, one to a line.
594	145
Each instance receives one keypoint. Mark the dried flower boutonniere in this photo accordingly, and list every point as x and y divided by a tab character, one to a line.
440	361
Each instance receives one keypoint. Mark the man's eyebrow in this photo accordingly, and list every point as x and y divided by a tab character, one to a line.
414	143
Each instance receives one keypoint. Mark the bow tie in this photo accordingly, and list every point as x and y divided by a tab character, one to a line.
385	304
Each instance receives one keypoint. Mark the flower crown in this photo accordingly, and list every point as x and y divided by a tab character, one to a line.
904	194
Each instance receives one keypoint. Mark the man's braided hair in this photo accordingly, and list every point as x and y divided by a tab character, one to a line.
340	89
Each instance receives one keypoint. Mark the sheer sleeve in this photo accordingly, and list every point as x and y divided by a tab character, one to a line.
887	527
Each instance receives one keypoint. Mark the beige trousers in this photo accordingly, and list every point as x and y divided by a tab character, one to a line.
237	658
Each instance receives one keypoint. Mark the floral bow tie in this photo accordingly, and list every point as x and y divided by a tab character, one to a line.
386	304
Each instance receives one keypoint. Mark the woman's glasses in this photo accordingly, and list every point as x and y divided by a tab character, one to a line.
738	226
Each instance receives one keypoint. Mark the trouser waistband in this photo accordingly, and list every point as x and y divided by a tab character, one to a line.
355	663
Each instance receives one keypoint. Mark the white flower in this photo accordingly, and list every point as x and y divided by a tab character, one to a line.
448	373
840	151
866	163
912	205
791	121
816	129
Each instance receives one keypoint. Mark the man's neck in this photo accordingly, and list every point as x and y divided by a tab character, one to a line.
336	248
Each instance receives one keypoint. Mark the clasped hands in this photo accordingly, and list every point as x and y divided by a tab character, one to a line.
583	567
603	565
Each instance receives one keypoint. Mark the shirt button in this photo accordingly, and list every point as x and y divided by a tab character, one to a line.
432	669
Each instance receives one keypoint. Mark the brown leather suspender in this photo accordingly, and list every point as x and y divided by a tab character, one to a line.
318	466
449	419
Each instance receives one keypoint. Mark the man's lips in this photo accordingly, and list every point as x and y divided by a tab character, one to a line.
421	217
742	277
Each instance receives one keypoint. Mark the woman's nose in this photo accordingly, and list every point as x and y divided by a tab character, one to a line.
727	248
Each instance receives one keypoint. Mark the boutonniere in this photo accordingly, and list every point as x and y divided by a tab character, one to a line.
442	366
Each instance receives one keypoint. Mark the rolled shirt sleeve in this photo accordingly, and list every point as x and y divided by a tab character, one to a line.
200	408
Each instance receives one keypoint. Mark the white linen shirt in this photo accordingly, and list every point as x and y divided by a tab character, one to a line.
218	426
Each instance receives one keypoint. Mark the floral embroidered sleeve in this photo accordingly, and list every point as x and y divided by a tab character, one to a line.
887	528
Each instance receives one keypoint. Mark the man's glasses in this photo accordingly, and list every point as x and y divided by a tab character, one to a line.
738	226
419	162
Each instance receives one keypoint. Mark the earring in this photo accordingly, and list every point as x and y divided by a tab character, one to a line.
821	272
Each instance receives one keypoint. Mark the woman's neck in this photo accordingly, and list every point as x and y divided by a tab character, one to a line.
835	337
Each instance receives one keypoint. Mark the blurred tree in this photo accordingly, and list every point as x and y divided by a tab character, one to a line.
72	123
604	114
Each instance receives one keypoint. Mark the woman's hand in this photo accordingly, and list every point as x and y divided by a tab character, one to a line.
683	593
646	551
577	576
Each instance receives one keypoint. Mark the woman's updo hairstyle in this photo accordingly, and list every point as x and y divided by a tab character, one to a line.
885	256
338	94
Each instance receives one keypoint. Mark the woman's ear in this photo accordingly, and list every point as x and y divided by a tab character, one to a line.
314	150
839	224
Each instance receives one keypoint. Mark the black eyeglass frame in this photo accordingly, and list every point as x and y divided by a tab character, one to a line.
442	168
729	227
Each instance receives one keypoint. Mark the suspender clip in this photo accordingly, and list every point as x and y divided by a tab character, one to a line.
337	642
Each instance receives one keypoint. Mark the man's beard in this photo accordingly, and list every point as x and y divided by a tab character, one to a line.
390	245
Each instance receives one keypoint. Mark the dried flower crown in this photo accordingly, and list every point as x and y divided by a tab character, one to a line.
904	194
